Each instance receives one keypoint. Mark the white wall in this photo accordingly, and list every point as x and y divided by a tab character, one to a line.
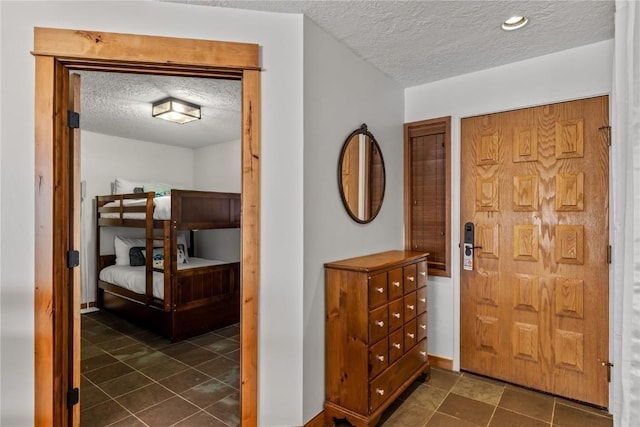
577	73
280	38
218	168
340	93
105	158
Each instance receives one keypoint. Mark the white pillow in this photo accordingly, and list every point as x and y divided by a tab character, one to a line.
124	186
124	244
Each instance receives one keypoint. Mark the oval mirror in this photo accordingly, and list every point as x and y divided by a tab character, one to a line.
361	176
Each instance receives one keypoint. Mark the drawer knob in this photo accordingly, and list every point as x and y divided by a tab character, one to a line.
423	300
410	335
396	315
380	323
410	278
423	327
380	391
396	345
396	284
423	353
410	306
380	290
423	273
380	358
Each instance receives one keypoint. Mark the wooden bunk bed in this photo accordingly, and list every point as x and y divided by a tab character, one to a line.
187	300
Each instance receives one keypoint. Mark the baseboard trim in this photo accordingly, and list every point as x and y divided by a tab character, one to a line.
317	421
441	362
87	305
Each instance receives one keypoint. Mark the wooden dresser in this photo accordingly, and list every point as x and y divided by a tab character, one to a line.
376	333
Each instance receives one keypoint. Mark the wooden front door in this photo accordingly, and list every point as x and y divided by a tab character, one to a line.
534	307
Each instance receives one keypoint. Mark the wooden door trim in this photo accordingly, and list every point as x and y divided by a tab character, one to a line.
58	50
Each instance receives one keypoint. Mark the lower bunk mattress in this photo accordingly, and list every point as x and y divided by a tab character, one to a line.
133	278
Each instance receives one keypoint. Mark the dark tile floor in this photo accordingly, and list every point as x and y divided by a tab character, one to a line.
455	399
132	377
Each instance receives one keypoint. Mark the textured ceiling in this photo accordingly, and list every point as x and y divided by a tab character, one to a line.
413	42
416	42
119	104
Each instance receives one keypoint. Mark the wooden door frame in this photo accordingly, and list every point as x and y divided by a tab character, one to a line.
56	52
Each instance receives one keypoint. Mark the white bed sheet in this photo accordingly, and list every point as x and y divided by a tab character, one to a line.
133	278
161	208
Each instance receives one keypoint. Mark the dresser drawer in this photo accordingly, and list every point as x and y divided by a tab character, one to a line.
410	335
386	383
377	290
422	273
421	300
421	326
378	359
410	279
410	306
395	284
396	345
396	314
378	324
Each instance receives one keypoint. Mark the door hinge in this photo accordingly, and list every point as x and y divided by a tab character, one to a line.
74	120
73	259
608	130
609	251
609	365
73	397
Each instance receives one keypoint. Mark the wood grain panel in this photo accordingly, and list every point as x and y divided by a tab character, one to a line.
488	240
487	332
488	150
526	292
525	242
570	191
569	350
525	193
569	244
525	341
525	144
487	195
569	297
569	138
487	286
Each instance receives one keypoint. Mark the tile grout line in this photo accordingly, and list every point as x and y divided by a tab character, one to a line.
175	394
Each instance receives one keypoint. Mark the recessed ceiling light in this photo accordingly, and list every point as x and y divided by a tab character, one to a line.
514	23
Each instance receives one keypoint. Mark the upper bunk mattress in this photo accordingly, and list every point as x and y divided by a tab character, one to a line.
161	208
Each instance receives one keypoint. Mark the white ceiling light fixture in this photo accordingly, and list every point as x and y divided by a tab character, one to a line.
514	23
175	110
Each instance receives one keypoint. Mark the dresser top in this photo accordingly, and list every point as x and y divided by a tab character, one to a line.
377	261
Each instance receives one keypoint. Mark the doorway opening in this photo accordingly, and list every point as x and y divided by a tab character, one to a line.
57	182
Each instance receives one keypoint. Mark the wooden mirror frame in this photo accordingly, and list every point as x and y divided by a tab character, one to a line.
56	52
370	211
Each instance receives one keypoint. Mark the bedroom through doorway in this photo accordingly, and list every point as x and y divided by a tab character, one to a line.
130	368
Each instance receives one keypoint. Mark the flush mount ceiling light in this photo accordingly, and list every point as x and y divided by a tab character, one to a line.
175	110
514	23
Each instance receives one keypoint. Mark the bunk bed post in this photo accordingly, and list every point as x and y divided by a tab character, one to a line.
149	243
170	267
